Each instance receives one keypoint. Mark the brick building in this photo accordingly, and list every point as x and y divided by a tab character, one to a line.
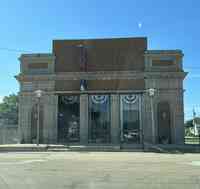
97	91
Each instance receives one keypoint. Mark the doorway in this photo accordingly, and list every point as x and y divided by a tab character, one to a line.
164	128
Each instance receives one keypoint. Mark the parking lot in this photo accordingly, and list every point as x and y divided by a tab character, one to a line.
98	170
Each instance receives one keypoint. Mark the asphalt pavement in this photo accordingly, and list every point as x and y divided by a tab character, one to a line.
99	170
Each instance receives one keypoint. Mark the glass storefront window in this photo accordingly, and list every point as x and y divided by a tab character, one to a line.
69	118
99	118
130	118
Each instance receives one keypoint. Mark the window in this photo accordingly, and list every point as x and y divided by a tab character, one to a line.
99	118
69	119
130	118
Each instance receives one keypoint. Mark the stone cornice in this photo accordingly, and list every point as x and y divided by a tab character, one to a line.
101	91
163	53
39	56
100	76
159	75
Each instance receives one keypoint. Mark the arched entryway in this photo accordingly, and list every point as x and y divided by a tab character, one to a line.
164	127
34	117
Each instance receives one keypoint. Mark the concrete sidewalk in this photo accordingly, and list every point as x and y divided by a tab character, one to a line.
98	148
99	170
56	148
23	147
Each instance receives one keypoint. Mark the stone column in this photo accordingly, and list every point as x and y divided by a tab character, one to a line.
115	119
84	119
149	137
149	103
25	109
178	117
50	103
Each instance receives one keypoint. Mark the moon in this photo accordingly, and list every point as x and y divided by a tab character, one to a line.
139	25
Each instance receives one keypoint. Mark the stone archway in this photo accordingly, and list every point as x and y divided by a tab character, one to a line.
164	127
34	124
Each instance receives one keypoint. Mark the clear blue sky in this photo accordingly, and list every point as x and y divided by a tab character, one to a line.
32	24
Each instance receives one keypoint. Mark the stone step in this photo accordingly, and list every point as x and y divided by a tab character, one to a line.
85	148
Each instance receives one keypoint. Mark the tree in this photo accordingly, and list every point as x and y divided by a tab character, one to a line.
9	108
189	127
189	123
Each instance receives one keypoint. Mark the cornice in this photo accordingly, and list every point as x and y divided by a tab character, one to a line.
30	93
164	53
100	75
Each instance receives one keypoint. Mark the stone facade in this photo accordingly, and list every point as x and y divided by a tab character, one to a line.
56	75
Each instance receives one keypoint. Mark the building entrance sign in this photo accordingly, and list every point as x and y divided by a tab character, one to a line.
130	118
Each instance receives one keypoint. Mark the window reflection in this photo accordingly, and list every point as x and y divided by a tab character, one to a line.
130	124
68	119
99	118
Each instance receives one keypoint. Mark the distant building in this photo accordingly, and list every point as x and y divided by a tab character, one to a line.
196	123
97	91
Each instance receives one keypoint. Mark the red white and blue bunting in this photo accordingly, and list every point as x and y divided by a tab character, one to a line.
130	99
99	99
69	99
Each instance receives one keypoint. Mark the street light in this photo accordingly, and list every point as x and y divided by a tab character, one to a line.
151	93
38	94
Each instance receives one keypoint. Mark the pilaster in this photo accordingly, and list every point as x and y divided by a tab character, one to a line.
115	119
50	103
83	118
148	135
25	108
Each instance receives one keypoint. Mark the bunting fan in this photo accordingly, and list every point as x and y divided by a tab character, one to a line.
99	99
69	99
130	99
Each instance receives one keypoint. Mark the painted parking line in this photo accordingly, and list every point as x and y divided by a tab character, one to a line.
23	162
